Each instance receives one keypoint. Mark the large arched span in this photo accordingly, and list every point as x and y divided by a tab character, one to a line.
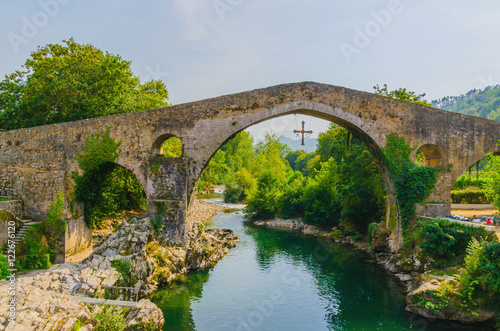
37	162
362	129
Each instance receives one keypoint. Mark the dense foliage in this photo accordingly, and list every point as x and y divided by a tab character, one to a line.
482	103
109	319
232	157
70	82
492	180
338	183
469	196
465	182
446	242
38	249
4	267
172	147
106	188
412	182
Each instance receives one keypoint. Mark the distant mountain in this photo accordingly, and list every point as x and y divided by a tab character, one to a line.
482	103
295	145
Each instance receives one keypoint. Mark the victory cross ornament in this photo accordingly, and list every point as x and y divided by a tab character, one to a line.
303	132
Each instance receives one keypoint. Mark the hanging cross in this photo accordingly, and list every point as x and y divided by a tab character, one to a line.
302	131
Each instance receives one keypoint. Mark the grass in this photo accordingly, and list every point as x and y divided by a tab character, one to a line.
5	199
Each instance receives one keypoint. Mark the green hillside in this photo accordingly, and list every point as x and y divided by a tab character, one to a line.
482	103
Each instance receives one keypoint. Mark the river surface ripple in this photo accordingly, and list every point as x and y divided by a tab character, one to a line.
280	280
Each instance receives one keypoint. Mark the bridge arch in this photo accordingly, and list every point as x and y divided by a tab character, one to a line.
433	155
158	145
356	124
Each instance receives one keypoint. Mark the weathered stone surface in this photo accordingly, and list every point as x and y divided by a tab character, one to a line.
36	162
43	301
144	316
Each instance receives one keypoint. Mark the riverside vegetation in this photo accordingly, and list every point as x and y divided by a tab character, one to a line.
452	270
337	188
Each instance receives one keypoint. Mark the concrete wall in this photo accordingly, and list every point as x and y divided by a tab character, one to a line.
77	238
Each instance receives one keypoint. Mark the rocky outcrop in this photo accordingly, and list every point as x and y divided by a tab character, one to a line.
130	257
153	262
43	303
294	225
431	300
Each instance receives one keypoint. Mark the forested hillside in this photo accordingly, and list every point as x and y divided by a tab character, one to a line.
482	103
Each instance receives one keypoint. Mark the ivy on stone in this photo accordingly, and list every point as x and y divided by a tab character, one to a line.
413	183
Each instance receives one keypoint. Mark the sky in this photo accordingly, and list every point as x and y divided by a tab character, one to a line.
207	48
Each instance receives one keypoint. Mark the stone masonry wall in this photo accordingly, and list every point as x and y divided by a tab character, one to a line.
36	162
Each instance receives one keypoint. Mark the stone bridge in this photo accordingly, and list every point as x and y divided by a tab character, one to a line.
37	162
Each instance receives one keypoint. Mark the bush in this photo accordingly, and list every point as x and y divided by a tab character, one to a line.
447	242
469	196
489	270
108	319
4	267
291	202
107	191
263	204
463	182
106	188
36	253
234	193
54	223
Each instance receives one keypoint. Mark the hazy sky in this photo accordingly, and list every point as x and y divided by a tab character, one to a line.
207	48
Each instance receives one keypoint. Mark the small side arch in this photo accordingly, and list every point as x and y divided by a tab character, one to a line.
168	141
433	155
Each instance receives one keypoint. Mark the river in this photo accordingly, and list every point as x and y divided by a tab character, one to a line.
281	280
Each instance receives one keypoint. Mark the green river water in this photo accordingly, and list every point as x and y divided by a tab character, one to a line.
281	280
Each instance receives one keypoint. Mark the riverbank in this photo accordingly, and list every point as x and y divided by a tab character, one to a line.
131	263
418	276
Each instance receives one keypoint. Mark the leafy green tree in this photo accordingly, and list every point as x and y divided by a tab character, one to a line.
292	158
492	180
402	94
68	82
321	197
99	148
263	205
270	156
54	222
216	170
239	151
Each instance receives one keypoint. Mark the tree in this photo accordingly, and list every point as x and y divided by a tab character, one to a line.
270	156
239	151
99	148
492	184
70	82
402	94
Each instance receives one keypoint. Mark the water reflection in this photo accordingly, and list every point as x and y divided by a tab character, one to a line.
279	280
